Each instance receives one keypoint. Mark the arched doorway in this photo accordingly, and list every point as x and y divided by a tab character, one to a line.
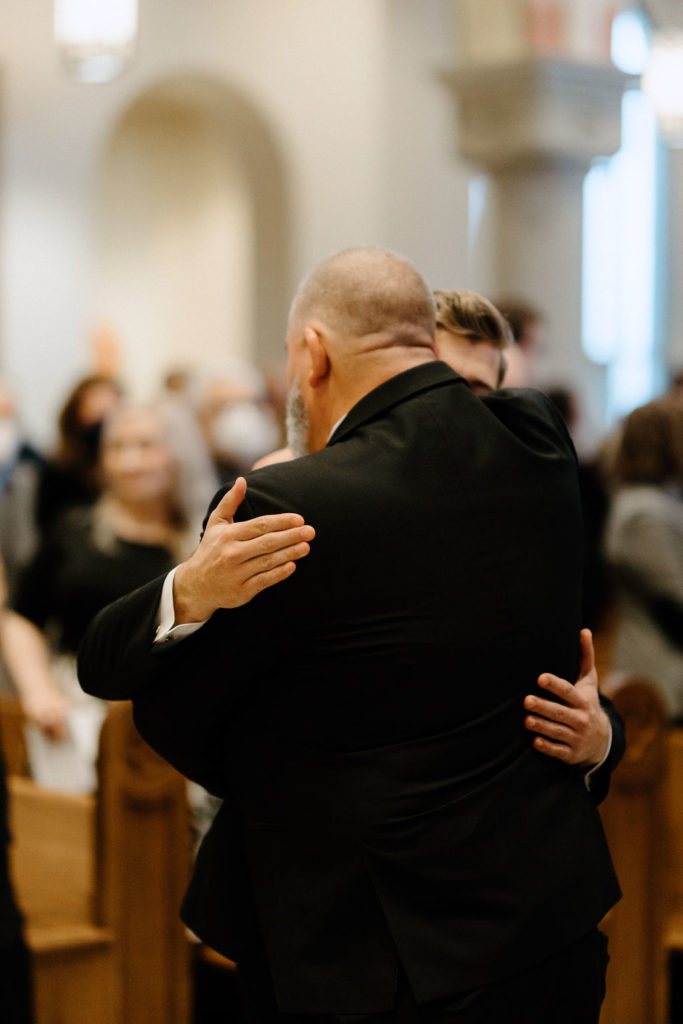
191	239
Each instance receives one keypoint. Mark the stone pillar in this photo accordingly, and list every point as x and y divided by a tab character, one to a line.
494	30
671	325
535	124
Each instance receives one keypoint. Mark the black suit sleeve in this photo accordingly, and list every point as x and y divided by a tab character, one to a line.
116	658
184	692
600	780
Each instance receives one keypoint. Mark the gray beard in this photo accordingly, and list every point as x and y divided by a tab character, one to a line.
296	422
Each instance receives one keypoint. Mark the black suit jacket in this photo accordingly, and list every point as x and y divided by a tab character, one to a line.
364	719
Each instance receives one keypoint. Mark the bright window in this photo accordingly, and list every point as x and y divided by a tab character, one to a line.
619	260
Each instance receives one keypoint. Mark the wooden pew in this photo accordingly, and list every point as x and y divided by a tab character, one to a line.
636	820
144	865
52	864
100	880
643	818
12	739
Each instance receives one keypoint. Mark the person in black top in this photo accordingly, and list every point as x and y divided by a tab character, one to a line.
94	554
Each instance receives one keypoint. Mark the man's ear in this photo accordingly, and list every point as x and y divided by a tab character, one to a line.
320	362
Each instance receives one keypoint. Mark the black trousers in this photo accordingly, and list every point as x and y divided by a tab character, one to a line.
567	988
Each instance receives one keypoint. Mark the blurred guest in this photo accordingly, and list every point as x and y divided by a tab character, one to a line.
27	655
238	423
528	326
71	476
20	466
136	531
676	384
176	381
644	544
197	477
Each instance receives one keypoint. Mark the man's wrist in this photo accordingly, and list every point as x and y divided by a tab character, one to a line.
588	773
186	607
167	631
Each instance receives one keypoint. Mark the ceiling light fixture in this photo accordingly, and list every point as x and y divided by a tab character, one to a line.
96	38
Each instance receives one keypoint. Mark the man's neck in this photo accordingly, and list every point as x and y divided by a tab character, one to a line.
375	373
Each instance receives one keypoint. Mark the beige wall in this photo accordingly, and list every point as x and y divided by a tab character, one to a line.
179	205
173	257
336	115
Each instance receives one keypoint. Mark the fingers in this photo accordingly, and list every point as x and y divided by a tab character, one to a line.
236	560
263	580
554	739
276	564
587	652
264	552
552	710
560	751
561	733
269	529
264	572
270	532
290	554
560	688
264	564
230	502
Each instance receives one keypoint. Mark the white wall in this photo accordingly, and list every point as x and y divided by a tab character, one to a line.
424	183
173	257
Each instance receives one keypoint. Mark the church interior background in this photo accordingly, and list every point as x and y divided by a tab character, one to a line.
162	191
164	216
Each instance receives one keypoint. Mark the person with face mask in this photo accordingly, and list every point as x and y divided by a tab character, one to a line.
238	423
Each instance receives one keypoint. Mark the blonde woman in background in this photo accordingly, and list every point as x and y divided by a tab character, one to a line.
137	529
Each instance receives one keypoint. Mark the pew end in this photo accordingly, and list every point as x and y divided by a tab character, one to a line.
644	826
100	880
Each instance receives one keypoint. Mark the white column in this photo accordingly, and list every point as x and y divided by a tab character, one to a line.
671	325
535	124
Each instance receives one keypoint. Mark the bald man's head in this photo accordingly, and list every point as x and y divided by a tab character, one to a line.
368	292
360	318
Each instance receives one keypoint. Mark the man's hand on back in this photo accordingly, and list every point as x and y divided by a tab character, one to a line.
236	561
576	731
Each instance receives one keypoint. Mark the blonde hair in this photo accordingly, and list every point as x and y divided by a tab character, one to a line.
472	316
194	481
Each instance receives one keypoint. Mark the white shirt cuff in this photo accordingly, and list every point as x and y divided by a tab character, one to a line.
167	631
587	776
